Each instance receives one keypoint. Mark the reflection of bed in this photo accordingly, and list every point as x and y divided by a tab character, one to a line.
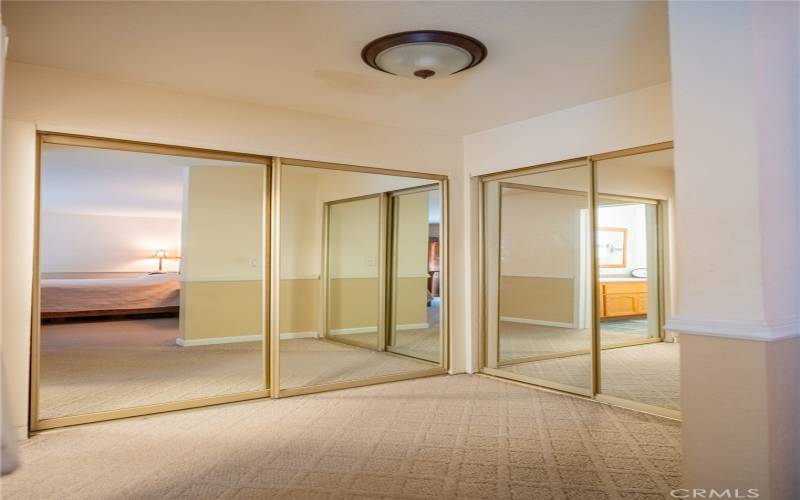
74	298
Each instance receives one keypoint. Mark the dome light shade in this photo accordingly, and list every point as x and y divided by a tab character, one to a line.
424	54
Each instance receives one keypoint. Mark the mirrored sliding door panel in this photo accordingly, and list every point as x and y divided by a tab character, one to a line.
353	271
576	277
415	273
538	277
639	361
337	288
152	273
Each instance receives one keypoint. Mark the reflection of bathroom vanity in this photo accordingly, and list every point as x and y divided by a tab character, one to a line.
622	297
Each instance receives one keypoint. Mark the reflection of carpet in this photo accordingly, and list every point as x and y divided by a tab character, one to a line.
105	365
435	438
520	340
421	343
647	373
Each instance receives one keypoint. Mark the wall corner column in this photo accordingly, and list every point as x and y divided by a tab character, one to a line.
736	91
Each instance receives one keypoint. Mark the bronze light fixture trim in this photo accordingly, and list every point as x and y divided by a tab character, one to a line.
424	53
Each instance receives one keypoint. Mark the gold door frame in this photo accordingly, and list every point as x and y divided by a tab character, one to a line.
660	240
42	137
325	277
391	264
271	281
596	391
442	182
502	184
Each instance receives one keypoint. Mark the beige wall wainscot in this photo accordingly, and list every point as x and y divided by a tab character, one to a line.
220	312
353	304
300	307
541	300
412	302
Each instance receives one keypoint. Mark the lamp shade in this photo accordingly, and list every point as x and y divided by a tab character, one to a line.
415	59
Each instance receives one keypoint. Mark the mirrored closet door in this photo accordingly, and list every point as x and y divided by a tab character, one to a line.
150	279
640	361
415	273
361	289
539	273
353	231
576	268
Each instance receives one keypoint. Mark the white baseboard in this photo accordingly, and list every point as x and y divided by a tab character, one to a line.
373	329
218	340
537	322
413	326
299	335
360	329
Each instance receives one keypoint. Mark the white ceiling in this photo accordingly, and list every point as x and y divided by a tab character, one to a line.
107	182
543	56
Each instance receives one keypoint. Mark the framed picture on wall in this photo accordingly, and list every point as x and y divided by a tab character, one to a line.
612	246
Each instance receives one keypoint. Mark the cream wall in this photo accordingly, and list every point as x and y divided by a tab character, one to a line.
223	218
222	271
540	257
737	126
80	243
55	100
19	156
628	120
411	249
301	252
354	239
353	263
412	235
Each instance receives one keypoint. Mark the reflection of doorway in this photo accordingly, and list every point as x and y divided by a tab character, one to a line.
628	271
381	272
352	271
414	318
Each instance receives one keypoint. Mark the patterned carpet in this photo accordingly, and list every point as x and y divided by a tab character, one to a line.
106	365
647	373
439	438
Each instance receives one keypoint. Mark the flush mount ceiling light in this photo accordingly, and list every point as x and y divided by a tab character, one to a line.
424	54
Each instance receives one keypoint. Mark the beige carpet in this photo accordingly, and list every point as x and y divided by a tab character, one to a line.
105	365
647	373
439	438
